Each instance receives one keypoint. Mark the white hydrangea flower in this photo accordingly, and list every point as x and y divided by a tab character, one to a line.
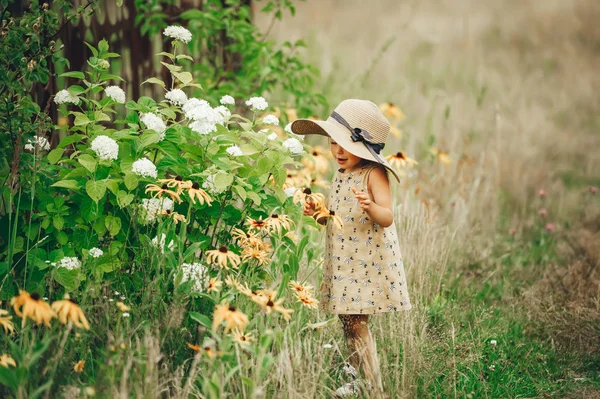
290	191
288	128
224	112
178	33
270	120
273	136
160	244
105	147
69	263
195	272
209	185
154	206
63	97
154	122
176	97
257	104
227	100
116	93
203	127
145	168
40	142
293	145
96	252
235	151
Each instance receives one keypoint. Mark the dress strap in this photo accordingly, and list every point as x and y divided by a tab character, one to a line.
365	181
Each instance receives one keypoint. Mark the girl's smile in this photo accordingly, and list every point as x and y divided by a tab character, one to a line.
344	158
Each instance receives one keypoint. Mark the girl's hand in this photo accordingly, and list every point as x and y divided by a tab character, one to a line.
309	208
363	198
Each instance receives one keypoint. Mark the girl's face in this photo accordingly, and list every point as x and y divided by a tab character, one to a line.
344	158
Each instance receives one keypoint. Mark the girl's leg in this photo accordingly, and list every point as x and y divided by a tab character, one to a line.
363	351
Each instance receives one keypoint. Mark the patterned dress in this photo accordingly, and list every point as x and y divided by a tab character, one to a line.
363	271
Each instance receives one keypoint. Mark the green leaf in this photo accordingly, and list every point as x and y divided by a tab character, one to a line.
166	55
113	225
101	116
222	181
88	162
184	57
103	45
70	184
72	74
148	137
113	186
240	191
66	278
131	181
92	48
55	155
254	197
110	266
124	199
202	319
184	77
156	81
74	138
61	237
81	119
58	222
96	189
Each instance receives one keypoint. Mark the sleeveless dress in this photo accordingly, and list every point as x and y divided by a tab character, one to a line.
363	271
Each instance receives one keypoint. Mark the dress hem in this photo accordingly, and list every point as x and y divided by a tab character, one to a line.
370	311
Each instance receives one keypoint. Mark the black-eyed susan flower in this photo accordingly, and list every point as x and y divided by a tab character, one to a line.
319	182
195	192
122	307
320	163
214	285
231	281
244	339
297	287
307	299
6	323
177	183
159	191
232	317
67	311
391	111
255	253
222	257
7	360
33	307
245	238
78	367
257	224
329	214
400	160
395	131
266	299
307	194
441	155
177	217
277	222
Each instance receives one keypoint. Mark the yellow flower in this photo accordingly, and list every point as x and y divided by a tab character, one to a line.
122	307
266	299
441	155
337	220
299	178
308	195
320	163
395	131
307	299
241	338
232	317
278	222
319	182
232	282
6	360
193	347
297	287
31	306
291	113
255	253
399	159
257	224
391	111
177	182
222	256
214	285
68	311
177	217
5	322
162	190
195	192
78	368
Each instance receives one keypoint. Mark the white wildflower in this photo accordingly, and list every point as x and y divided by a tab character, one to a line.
40	142
203	127
154	122
227	99
195	272
64	96
224	112
154	206
69	263
105	147
270	120
288	128
125	314
116	93
28	147
492	367
145	168
160	244
235	151
327	346
176	97
178	33
493	342
290	191
257	104
273	136
96	252
293	145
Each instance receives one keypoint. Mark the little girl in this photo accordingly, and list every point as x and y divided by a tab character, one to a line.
363	273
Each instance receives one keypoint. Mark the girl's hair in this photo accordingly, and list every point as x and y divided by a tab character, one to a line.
368	162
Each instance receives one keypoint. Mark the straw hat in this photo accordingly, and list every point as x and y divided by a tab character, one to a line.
357	125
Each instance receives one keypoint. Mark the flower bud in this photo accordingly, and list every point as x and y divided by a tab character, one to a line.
104	64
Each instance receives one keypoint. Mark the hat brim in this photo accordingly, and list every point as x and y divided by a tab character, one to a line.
341	136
